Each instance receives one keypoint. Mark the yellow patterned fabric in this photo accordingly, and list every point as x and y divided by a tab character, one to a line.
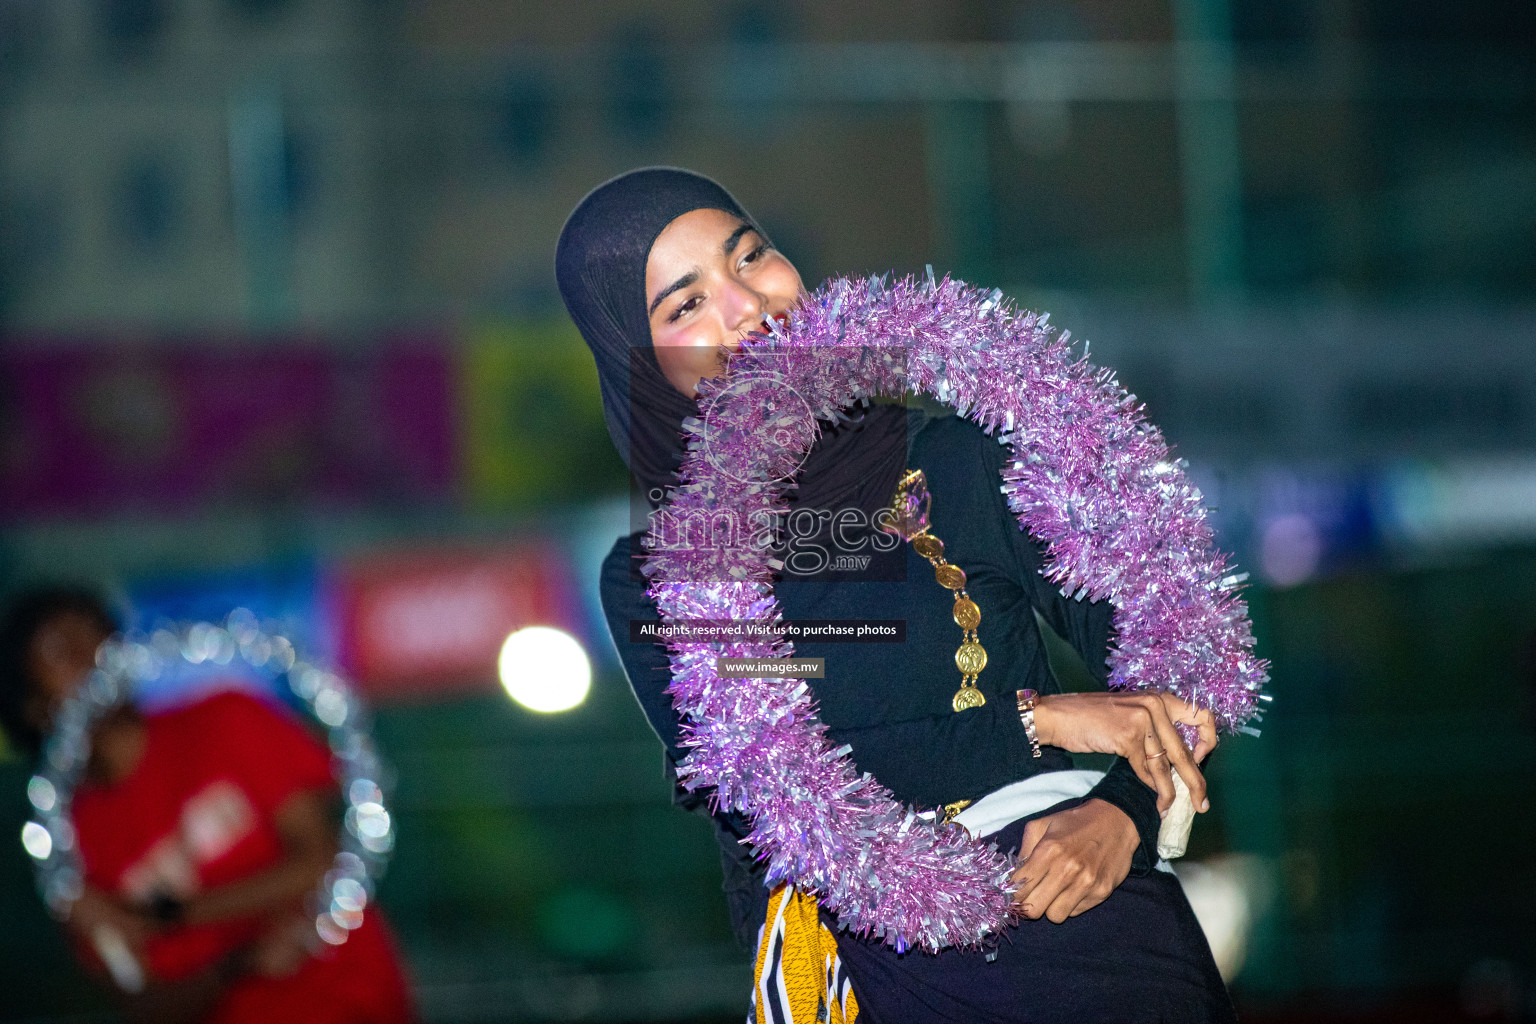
799	978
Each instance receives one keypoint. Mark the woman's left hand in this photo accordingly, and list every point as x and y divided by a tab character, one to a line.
1072	860
1137	726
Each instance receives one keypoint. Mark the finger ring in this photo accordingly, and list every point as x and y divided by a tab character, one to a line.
1160	753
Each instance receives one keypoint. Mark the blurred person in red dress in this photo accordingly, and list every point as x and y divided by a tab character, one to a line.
202	828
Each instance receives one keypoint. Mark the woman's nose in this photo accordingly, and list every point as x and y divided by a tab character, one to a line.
745	311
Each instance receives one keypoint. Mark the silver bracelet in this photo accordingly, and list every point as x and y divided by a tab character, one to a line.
1027	700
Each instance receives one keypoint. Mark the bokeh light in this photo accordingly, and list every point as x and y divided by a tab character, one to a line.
36	840
1290	550
545	669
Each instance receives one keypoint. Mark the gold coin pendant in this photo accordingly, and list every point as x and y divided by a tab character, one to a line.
967	615
971	658
967	697
928	545
951	576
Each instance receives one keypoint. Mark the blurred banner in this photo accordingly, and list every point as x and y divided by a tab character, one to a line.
533	420
402	622
1297	522
433	622
92	427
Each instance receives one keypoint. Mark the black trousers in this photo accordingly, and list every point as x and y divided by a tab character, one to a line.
1137	958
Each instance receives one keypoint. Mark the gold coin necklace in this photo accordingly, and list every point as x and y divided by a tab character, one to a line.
910	509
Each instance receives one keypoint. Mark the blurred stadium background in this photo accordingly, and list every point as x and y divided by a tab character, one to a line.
280	331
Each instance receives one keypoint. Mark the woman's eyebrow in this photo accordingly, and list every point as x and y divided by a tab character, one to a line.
730	243
682	282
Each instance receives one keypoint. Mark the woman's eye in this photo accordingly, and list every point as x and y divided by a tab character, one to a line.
755	254
687	307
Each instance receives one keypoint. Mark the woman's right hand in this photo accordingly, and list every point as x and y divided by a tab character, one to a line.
1136	726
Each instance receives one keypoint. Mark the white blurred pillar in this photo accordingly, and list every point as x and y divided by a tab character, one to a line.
258	188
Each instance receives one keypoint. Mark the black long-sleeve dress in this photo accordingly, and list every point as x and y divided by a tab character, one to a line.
1138	956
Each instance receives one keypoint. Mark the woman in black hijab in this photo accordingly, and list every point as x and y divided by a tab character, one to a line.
601	268
664	274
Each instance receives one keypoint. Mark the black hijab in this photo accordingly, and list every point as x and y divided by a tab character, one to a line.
600	267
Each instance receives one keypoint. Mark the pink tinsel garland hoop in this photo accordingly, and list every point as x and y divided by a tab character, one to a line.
1087	475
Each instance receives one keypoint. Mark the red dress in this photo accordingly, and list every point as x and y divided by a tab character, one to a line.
198	811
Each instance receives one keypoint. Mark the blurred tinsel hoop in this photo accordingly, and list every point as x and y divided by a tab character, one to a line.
1086	475
125	662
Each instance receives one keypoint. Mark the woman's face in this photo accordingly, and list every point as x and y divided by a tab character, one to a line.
62	653
709	281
